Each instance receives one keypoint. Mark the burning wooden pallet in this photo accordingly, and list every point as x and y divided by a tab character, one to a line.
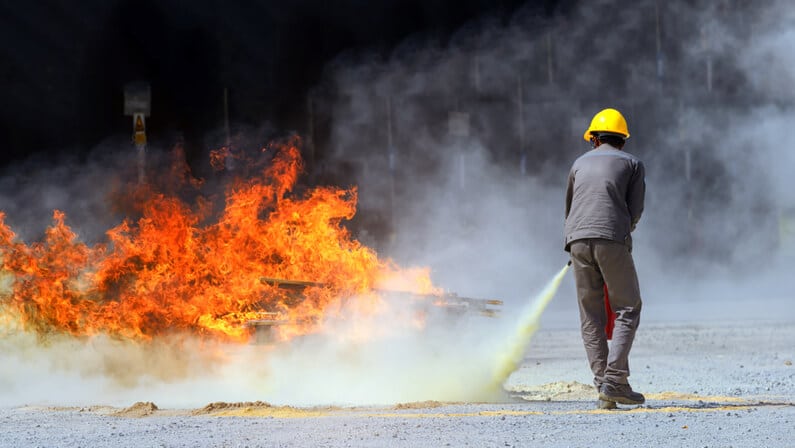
295	288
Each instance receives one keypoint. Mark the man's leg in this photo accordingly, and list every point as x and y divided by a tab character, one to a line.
590	296
619	273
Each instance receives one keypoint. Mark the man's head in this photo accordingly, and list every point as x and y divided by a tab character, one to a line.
615	140
607	126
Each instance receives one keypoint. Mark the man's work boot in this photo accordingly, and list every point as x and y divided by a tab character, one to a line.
608	405
620	393
602	404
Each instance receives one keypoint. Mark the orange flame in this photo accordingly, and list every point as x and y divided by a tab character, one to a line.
171	271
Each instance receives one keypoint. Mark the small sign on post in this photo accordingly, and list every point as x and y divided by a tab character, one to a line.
139	130
137	101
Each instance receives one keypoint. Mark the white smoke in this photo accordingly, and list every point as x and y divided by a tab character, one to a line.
709	102
705	89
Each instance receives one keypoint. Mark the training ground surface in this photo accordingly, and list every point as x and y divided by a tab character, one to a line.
716	383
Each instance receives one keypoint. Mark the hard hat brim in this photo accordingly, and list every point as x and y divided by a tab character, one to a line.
590	132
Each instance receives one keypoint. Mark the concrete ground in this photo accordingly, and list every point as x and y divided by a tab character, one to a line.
719	383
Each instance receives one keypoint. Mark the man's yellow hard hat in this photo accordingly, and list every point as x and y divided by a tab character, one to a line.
607	120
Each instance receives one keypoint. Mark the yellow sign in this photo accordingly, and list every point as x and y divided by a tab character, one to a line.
139	130
139	123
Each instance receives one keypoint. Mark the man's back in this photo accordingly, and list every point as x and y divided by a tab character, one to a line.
605	195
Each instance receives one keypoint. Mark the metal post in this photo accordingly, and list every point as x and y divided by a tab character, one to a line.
137	101
458	129
706	46
692	232
462	169
391	160
139	139
520	113
229	161
476	71
550	71
227	135
659	45
310	137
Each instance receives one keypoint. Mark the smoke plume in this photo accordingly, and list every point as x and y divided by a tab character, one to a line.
460	147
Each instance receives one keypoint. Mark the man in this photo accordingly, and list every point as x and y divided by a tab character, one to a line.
604	201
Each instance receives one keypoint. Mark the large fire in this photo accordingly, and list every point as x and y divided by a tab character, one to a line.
182	267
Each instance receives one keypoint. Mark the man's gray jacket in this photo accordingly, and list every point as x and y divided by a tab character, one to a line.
604	197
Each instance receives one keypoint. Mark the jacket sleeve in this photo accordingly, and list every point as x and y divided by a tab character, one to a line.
636	194
569	193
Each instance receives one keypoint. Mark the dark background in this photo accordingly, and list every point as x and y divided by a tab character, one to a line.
65	63
676	69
